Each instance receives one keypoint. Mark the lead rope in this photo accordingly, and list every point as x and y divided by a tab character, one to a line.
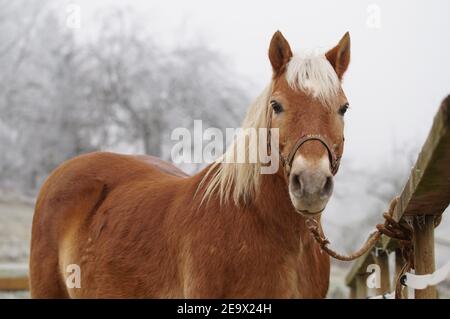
323	242
401	231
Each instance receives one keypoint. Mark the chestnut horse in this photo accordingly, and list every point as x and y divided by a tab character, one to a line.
139	227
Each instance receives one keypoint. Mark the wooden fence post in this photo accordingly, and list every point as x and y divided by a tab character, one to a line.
424	253
353	291
361	286
399	263
382	260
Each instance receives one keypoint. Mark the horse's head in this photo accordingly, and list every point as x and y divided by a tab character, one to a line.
308	106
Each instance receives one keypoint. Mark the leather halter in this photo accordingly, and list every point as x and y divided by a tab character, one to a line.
334	159
287	162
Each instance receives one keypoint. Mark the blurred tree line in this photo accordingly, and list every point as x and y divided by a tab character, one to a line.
61	96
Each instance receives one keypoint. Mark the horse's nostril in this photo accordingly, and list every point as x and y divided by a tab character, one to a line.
296	183
328	186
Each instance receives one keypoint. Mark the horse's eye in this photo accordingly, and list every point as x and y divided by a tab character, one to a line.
343	109
277	107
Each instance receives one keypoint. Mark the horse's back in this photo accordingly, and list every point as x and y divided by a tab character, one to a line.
68	204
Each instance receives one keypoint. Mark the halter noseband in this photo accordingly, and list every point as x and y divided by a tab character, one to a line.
287	162
334	159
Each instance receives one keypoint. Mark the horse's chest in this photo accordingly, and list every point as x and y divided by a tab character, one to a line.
304	277
277	275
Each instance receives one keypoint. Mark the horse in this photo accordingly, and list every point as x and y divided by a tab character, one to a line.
139	227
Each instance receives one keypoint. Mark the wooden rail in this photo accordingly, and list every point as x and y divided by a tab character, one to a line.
13	277
425	196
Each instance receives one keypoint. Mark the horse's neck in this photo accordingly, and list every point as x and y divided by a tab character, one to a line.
275	206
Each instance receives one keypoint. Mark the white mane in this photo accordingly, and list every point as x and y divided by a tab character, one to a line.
313	74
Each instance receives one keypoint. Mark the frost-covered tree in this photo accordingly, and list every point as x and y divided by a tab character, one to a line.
147	89
43	113
60	97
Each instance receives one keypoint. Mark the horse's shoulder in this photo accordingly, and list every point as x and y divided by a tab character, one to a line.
93	176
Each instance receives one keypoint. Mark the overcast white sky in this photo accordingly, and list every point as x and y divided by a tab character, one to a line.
399	73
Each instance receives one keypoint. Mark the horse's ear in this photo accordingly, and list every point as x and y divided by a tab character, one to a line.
279	53
339	56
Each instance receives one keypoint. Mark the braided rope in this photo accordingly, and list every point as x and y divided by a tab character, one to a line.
323	242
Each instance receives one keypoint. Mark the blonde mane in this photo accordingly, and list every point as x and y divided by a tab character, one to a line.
312	74
239	179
